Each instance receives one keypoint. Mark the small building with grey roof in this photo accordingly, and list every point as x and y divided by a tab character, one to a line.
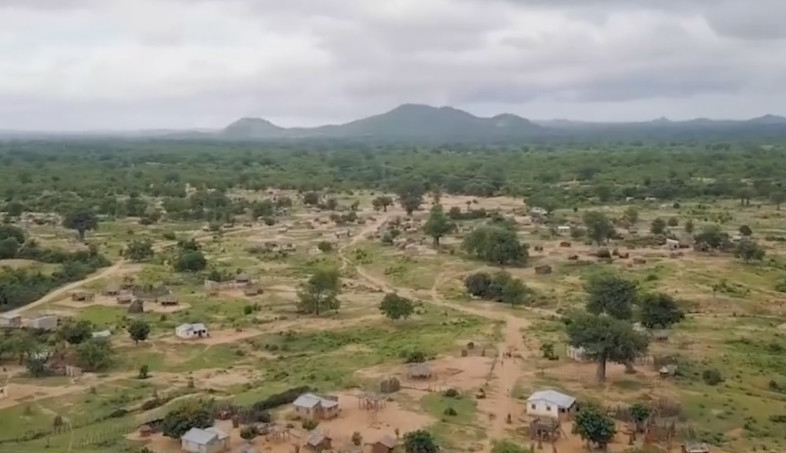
208	440
315	407
550	403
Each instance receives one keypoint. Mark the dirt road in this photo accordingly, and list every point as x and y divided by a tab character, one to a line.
63	290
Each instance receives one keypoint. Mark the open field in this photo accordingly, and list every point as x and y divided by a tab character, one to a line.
261	344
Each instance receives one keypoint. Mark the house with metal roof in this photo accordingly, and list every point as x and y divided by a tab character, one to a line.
209	440
187	331
550	403
315	407
317	441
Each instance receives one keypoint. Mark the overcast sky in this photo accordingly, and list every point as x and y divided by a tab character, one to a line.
128	64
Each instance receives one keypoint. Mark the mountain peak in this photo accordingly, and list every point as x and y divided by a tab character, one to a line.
252	128
769	119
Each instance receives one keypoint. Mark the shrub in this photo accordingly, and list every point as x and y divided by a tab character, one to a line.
357	438
451	393
325	246
712	376
308	425
449	411
415	357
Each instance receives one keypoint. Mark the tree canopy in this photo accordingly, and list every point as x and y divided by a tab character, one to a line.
496	245
192	413
420	441
599	227
138	330
611	294
81	220
438	224
321	292
659	310
396	307
592	424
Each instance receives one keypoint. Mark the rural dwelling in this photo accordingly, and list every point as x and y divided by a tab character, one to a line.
314	407
47	322
384	445
420	371
318	442
672	244
242	279
210	440
10	321
102	334
168	300
563	229
112	291
188	331
82	296
550	403
696	448
125	299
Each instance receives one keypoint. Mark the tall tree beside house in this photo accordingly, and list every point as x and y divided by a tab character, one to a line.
82	220
599	227
139	330
191	413
321	292
438	224
605	339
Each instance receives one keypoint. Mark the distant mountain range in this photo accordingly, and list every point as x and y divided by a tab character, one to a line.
423	123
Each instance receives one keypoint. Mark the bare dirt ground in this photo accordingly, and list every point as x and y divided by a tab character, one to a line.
462	373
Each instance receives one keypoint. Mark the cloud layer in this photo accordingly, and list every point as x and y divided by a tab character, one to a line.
125	64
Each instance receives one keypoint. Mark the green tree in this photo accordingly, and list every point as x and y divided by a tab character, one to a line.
515	292
139	330
382	202
745	230
778	198
749	250
496	245
438	224
689	226
630	217
658	226
420	441
507	446
77	332
311	198
264	208
81	220
190	261
14	209
190	414
139	250
249	432
95	354
673	221
605	339
325	246
9	247
640	412
410	196
396	307
712	236
745	194
10	231
611	294
603	192
321	292
593	425
599	227
659	310
144	372
477	284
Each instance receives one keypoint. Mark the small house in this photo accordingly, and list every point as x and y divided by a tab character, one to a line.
210	440
188	331
550	403
578	354
696	448
668	371
252	290
314	407
384	445
420	371
47	322
102	334
168	300
318	442
563	229
82	296
242	279
10	321
125	299
112	291
672	244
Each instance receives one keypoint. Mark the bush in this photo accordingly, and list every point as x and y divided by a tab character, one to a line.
712	376
415	357
249	432
451	393
325	246
308	425
449	411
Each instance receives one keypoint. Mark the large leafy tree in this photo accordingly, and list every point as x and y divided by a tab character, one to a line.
599	227
410	195
658	226
396	307
81	220
382	202
420	441
77	332
9	247
10	231
659	310
321	292
190	261
611	294
593	425
778	198
605	339
630	216
712	236
748	250
95	354
496	245
139	250
438	224
190	414
139	330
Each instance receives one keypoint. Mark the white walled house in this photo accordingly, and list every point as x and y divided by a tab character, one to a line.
189	331
550	403
210	440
